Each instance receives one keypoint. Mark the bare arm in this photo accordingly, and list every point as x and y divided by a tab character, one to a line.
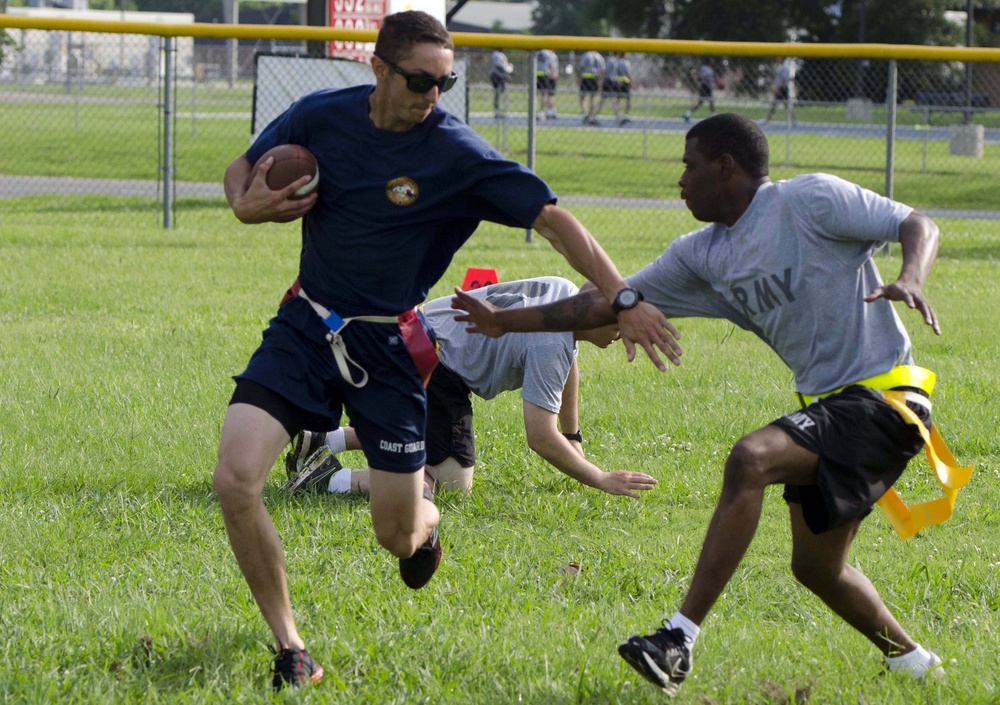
643	325
253	202
586	310
569	412
545	439
918	238
574	242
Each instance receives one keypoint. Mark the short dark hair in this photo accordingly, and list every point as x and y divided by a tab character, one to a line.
735	135
401	30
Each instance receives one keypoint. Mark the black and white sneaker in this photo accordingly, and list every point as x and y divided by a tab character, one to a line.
304	445
315	473
662	658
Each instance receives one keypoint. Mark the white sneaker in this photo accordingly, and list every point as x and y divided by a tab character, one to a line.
918	664
934	668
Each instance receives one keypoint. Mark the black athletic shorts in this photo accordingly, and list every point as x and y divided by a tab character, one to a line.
292	417
863	446
545	83
588	85
449	419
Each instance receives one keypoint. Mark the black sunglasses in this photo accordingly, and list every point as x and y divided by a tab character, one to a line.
421	83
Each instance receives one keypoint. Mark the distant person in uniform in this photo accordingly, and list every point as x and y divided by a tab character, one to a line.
500	70
590	77
621	86
706	79
780	89
546	76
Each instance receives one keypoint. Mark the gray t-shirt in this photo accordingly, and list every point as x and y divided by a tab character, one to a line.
794	270
706	75
548	63
499	64
617	68
535	363
591	64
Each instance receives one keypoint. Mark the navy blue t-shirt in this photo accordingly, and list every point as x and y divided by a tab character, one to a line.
393	207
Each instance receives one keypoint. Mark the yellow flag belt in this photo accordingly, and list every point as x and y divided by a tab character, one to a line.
908	520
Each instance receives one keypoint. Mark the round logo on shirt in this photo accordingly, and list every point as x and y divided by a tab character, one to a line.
402	191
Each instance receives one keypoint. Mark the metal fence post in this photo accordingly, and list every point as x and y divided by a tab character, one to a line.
890	128
168	130
532	95
645	124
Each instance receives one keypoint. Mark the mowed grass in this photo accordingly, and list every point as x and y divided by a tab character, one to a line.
116	133
117	583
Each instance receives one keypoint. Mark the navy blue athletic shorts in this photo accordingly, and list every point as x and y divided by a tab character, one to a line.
295	362
863	446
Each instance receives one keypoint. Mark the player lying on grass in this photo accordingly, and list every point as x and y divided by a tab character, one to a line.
542	365
791	262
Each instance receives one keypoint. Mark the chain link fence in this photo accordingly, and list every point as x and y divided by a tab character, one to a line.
819	114
114	114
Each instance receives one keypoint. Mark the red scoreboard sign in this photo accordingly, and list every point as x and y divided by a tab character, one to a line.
355	14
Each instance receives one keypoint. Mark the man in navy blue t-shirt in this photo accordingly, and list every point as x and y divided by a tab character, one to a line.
403	184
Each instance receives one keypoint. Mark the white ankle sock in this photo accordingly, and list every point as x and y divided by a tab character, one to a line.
916	663
340	481
336	441
690	629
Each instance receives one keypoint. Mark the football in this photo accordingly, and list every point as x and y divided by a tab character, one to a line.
291	162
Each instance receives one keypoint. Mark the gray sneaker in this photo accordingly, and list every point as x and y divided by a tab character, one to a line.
315	473
304	445
662	658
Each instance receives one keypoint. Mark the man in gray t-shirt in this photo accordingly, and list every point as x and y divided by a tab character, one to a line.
542	365
546	78
590	76
790	262
706	79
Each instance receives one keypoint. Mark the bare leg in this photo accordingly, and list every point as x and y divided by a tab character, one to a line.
250	443
450	475
401	517
764	457
819	562
446	475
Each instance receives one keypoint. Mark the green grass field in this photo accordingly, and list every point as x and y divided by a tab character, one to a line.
117	583
114	132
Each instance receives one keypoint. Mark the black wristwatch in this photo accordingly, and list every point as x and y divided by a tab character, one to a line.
627	298
578	436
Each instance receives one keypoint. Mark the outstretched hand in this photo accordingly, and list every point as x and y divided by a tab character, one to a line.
479	314
648	327
912	296
626	482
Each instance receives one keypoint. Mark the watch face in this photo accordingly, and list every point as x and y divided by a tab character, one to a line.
627	298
